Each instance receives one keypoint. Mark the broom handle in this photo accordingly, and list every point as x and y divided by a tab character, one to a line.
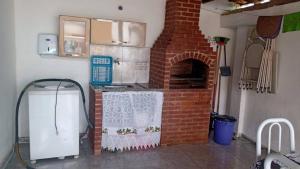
219	53
219	92
225	55
216	81
219	82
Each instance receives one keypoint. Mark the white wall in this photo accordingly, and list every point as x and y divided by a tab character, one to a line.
285	102
41	16
33	17
234	96
210	25
8	77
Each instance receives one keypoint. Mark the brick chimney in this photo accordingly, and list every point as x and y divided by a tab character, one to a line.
181	37
179	50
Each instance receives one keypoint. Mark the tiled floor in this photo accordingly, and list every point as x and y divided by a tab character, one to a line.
239	155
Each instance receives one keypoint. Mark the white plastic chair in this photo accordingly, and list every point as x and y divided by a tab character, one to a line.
288	163
274	122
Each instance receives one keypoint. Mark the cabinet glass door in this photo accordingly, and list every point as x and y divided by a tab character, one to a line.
74	36
133	34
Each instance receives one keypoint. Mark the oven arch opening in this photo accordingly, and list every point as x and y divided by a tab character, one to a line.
189	74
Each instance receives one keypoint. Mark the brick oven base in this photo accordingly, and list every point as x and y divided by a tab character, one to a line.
185	117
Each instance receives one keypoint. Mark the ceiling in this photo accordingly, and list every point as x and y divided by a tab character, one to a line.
240	2
236	6
219	6
250	17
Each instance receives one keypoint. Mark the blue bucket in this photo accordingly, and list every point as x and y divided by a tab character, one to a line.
223	129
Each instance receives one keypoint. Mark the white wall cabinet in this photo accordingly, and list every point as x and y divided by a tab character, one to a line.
110	32
105	32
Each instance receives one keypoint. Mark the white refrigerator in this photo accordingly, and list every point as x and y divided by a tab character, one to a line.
53	134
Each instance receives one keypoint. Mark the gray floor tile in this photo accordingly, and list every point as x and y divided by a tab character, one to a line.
239	155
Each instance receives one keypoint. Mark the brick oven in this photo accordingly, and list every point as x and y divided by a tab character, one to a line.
183	64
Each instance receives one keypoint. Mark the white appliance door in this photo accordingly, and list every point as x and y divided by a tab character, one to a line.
45	141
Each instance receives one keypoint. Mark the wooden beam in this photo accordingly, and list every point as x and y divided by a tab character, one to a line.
243	2
261	6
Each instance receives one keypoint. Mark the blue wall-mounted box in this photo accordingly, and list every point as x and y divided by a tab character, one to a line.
101	70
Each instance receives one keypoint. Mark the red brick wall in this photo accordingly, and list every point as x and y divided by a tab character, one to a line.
181	35
182	12
186	112
185	116
95	114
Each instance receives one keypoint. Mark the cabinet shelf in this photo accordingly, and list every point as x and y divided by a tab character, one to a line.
74	37
73	54
73	34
